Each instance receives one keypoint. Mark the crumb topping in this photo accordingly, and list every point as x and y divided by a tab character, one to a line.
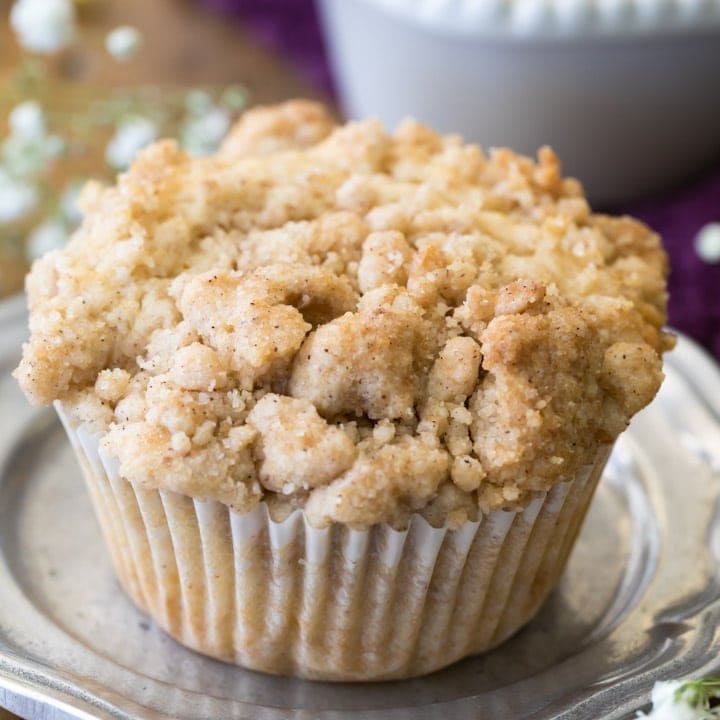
358	323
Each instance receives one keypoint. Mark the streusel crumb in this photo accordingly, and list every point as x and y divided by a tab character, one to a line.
359	323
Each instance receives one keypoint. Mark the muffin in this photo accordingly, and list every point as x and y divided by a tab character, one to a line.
342	397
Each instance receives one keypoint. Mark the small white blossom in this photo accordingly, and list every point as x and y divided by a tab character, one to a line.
707	243
27	120
43	26
28	157
672	701
50	235
201	135
123	42
131	137
234	97
28	150
197	102
17	199
69	202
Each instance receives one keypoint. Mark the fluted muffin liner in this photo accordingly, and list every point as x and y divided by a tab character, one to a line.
337	603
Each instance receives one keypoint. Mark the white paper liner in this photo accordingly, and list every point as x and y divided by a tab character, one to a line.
557	18
336	603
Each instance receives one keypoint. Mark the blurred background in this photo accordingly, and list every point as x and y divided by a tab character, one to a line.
628	98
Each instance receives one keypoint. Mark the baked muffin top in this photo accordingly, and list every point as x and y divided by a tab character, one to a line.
359	323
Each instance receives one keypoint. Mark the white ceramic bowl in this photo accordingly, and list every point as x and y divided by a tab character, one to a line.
627	91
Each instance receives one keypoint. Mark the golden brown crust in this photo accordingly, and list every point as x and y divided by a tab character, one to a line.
265	130
443	330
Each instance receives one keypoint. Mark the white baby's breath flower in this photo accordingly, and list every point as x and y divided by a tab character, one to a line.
17	198
707	243
28	120
28	150
681	700
28	157
123	42
50	235
197	102
235	97
131	137
43	26
201	135
69	206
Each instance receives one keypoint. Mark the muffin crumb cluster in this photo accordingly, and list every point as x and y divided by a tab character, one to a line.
361	324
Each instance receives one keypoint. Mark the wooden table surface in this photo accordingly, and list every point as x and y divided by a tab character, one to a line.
184	45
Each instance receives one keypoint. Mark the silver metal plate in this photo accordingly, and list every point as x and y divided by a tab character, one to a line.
640	600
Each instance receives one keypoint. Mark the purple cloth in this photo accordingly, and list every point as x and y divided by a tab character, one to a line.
694	284
291	27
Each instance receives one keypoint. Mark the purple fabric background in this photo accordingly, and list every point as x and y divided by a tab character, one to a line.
291	27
